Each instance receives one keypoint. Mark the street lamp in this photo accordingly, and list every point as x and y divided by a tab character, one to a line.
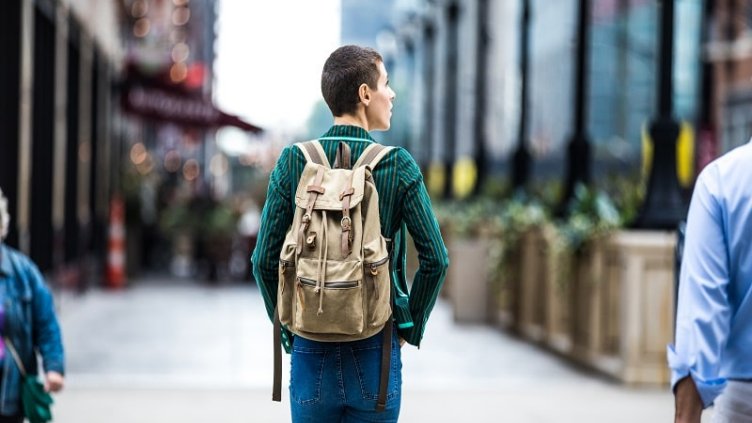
521	158
664	207
450	105
480	95
578	152
429	72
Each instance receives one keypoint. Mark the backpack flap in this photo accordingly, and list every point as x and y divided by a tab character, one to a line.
336	182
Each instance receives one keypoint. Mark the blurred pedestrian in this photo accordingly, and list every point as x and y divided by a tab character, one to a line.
28	321
248	227
711	360
340	381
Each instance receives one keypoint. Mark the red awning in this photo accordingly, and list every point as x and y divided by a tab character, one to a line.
154	97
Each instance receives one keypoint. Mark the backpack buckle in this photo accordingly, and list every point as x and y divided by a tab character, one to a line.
311	240
346	223
346	193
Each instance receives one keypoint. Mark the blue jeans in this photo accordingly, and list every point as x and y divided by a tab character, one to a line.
338	382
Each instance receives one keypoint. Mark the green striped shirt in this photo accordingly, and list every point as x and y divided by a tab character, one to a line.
402	200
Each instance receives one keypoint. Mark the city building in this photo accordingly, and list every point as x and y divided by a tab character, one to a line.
107	106
468	82
60	130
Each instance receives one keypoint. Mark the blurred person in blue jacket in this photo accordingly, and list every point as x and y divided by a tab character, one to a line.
27	319
711	361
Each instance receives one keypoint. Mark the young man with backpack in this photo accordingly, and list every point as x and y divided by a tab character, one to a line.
330	256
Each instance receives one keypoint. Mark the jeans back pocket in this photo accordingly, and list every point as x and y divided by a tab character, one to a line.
306	374
367	361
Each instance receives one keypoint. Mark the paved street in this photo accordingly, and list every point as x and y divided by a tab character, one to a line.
176	351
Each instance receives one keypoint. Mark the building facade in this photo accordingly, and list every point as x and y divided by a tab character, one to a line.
59	128
467	106
104	104
726	91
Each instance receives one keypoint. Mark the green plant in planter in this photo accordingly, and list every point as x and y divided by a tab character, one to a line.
628	194
592	214
515	216
465	219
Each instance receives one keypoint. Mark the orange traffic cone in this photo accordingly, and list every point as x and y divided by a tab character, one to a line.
116	244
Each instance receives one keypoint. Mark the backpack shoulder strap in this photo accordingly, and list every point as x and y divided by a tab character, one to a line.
372	155
313	152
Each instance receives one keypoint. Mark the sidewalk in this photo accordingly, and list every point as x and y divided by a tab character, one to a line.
170	351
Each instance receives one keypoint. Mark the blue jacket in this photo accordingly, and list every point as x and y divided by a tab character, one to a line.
30	323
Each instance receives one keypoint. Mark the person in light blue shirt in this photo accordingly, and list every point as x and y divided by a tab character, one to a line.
711	359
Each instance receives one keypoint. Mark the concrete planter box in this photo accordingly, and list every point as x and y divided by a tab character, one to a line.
558	301
635	307
587	286
506	295
545	290
534	274
609	306
468	279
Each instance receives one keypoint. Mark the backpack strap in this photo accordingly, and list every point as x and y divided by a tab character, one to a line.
347	234
313	193
313	152
372	155
342	161
396	264
277	385
386	357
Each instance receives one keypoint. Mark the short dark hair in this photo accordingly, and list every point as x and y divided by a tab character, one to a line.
344	71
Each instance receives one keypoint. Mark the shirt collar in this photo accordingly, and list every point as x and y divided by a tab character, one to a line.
5	267
348	131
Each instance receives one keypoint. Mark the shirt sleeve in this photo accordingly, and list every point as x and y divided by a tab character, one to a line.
276	217
45	329
433	258
704	313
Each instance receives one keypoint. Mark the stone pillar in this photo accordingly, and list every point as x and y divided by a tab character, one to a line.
12	31
43	134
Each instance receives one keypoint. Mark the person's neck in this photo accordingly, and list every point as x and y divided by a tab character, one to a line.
352	120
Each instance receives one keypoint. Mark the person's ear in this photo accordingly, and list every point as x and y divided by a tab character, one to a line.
364	92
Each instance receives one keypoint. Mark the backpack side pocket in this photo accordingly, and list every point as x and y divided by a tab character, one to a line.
378	281
286	285
377	287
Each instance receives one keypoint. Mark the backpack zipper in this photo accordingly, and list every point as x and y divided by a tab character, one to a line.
376	264
286	263
375	271
283	265
337	284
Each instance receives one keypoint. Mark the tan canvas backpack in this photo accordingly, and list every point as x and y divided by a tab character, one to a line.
334	274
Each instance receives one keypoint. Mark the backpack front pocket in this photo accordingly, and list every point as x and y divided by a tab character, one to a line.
332	308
